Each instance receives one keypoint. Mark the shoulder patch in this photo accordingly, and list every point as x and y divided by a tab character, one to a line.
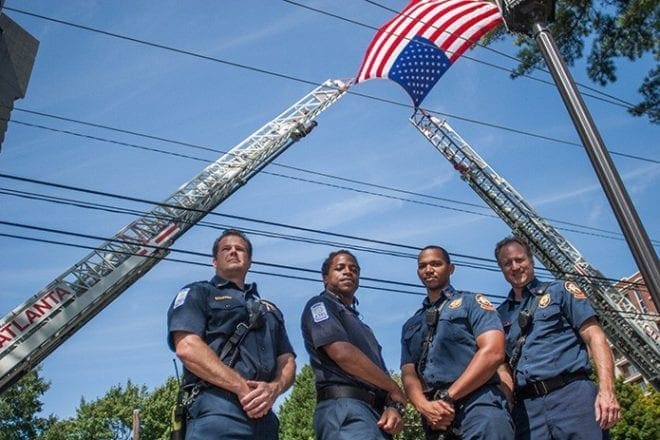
180	297
574	290
544	301
456	303
319	313
483	302
269	305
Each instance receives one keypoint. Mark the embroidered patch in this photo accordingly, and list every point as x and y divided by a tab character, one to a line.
456	303
575	290
483	302
319	313
180	297
222	298
544	301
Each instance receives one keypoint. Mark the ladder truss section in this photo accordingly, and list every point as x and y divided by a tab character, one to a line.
34	329
630	331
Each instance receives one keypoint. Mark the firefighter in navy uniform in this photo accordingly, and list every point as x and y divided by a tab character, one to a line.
450	351
549	327
234	347
356	397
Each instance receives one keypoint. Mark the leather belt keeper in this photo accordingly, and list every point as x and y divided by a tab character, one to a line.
339	391
543	387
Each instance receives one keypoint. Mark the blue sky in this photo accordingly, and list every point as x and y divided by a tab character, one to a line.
112	82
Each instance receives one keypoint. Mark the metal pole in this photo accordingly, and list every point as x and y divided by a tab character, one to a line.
625	213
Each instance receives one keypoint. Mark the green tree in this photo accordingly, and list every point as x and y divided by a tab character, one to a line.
297	410
640	413
615	29
111	416
19	406
157	411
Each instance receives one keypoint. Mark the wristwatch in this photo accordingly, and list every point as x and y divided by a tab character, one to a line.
445	397
400	407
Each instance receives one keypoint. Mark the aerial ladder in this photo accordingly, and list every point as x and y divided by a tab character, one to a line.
630	331
34	329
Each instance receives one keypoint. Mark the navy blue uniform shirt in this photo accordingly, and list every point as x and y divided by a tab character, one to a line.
553	345
461	321
325	319
213	309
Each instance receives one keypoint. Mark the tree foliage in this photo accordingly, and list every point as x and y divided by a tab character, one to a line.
613	29
640	413
111	416
297	410
19	406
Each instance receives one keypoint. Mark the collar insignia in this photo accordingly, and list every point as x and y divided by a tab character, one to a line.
456	303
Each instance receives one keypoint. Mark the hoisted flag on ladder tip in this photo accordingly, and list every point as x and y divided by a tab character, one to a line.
422	41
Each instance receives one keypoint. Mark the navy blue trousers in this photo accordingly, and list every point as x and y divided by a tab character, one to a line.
217	414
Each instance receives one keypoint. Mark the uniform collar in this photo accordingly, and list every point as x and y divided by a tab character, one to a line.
532	288
447	292
352	307
250	288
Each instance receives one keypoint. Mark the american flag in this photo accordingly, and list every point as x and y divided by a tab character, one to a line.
422	41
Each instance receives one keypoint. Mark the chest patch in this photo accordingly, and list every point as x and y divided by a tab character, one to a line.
455	303
221	298
180	297
484	303
319	313
574	290
544	301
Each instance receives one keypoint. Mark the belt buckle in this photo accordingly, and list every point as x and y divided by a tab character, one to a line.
540	388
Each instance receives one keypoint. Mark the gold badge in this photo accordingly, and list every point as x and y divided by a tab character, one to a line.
456	303
544	301
574	290
483	302
222	298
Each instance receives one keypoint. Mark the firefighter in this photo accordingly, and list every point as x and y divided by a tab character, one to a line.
356	397
555	324
234	347
450	351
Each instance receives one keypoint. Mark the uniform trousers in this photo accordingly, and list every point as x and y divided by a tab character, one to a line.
482	415
565	413
217	414
344	418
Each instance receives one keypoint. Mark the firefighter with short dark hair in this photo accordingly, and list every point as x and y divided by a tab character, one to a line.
450	351
356	397
234	347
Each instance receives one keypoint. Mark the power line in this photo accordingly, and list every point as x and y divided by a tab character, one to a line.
156	150
421	293
415	249
304	81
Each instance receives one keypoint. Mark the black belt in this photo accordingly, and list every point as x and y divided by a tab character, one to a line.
339	391
543	387
432	393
